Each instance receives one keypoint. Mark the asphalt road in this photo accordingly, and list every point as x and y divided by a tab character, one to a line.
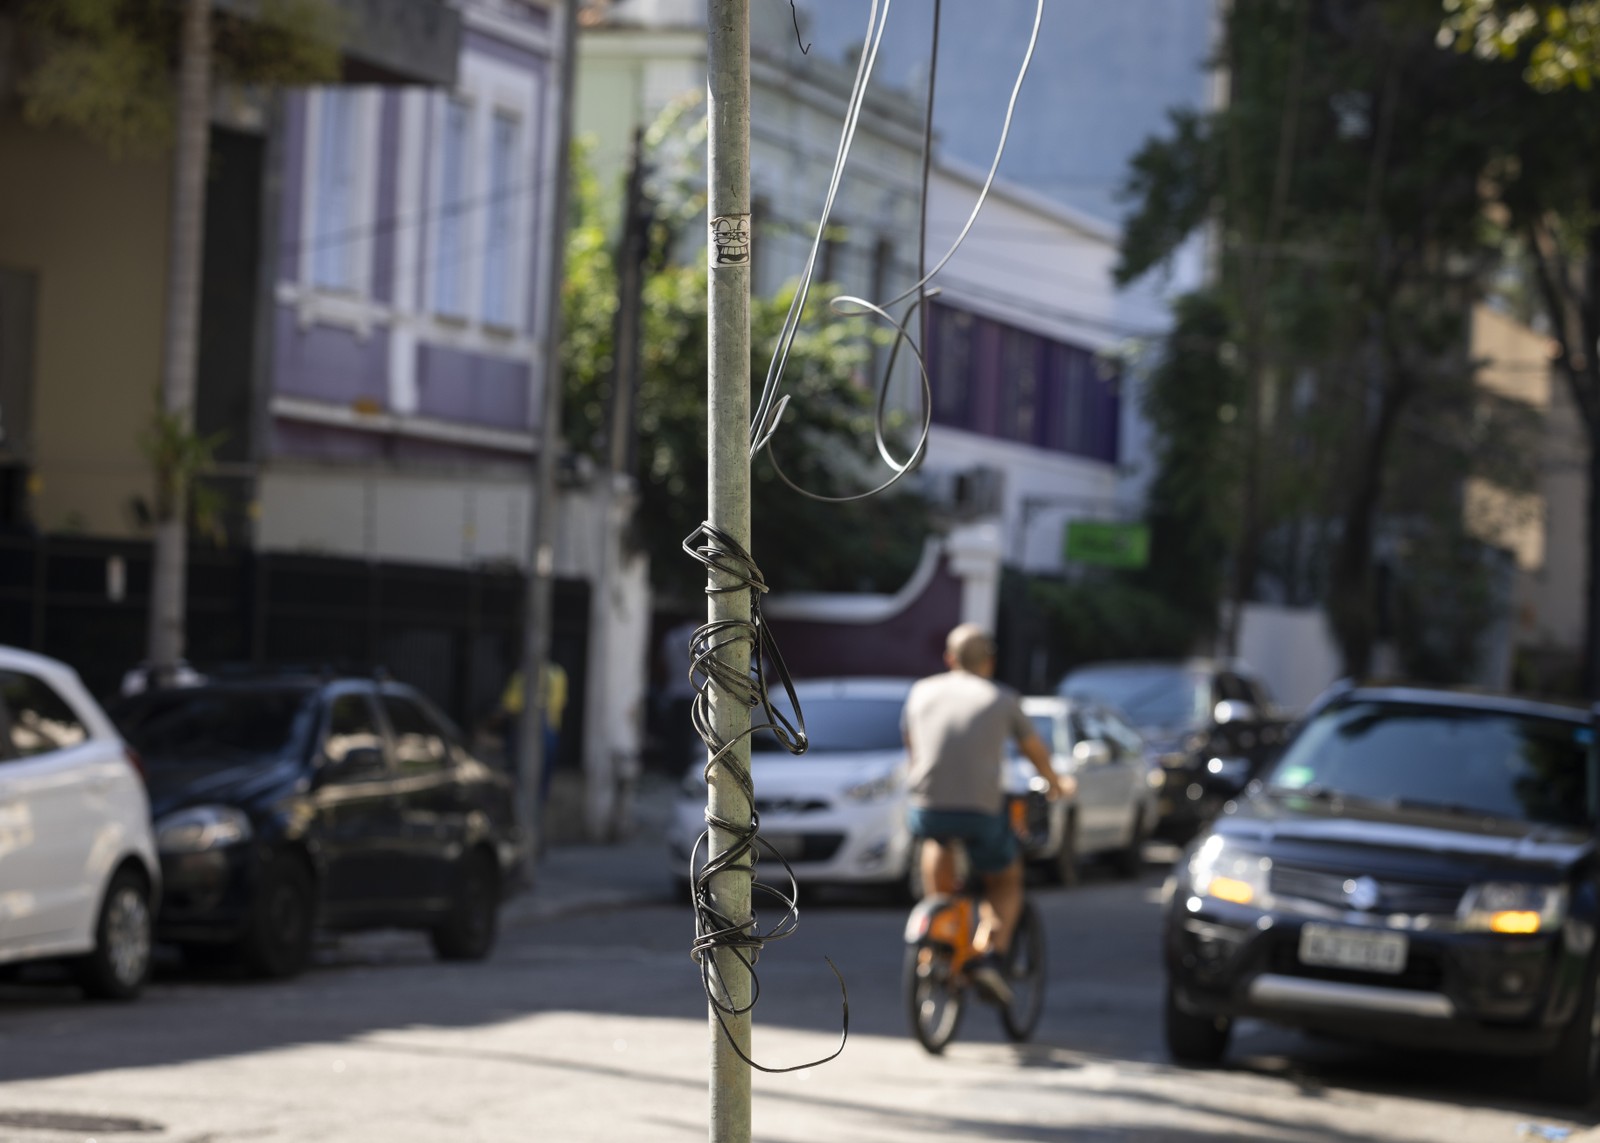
593	1028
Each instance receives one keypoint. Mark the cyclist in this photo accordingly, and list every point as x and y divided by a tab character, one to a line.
956	725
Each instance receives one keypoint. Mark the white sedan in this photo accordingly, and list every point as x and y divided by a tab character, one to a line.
79	878
1114	807
837	813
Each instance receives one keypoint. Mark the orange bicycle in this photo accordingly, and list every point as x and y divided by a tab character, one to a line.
938	938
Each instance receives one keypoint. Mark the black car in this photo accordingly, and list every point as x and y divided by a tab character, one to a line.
282	805
1418	868
1210	724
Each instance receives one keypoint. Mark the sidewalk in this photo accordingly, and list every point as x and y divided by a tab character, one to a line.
576	877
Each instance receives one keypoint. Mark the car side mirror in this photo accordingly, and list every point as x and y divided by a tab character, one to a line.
1230	711
1091	752
358	764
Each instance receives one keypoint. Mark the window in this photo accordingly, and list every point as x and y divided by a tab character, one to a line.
451	253
351	727
1019	371
1452	760
336	239
953	334
216	728
40	719
499	268
419	745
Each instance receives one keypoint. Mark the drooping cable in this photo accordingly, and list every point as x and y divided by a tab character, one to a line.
770	408
729	568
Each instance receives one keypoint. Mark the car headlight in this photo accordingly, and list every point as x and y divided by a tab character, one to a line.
1228	874
1513	907
878	786
201	828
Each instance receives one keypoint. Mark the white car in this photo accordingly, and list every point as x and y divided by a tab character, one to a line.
837	813
79	877
1114	808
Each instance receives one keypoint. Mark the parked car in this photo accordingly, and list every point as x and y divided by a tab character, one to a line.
1113	808
285	804
1419	867
836	813
1212	725
79	879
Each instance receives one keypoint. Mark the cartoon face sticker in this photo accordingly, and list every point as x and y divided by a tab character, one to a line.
730	240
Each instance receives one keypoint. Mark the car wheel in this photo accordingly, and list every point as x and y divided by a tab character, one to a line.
1573	1066
1129	861
277	940
1193	1039
468	932
123	935
1064	868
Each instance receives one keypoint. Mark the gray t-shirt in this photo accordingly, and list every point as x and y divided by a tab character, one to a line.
957	725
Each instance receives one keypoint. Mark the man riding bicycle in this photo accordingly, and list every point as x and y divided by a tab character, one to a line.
956	725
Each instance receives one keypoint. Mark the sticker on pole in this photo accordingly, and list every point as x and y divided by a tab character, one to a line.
730	240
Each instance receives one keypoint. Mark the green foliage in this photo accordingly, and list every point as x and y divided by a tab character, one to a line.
1444	604
1106	618
1559	42
179	458
1342	187
799	543
107	68
1192	401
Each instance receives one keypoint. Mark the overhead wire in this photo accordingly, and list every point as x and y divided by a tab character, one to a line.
770	407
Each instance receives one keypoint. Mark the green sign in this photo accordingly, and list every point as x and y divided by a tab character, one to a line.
1108	543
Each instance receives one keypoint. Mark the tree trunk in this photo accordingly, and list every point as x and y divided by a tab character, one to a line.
1352	607
169	570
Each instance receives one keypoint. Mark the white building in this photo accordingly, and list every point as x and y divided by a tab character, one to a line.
1027	305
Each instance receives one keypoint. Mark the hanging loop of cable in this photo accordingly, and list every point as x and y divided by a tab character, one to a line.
729	568
772	404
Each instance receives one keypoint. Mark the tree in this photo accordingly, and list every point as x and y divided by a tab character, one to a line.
104	67
1537	62
1558	43
1341	181
800	543
1192	401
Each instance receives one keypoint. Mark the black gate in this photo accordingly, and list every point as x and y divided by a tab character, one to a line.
455	634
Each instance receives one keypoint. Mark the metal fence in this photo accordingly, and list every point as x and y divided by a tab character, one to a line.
453	633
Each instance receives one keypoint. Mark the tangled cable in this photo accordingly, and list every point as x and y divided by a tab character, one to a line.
727	561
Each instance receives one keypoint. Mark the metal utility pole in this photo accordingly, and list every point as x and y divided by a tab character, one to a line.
541	571
728	455
603	808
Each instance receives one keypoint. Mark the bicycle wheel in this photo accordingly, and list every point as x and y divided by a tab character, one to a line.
1026	970
933	1003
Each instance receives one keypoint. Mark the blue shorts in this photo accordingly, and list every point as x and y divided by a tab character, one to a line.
990	841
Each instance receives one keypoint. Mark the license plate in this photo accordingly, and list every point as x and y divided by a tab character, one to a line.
1332	946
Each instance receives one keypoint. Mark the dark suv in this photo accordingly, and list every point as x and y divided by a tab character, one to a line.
1417	868
282	804
1210	725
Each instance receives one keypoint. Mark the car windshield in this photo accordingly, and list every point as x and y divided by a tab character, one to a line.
215	727
1152	696
1045	727
1487	762
836	723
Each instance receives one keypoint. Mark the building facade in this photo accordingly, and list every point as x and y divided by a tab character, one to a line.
1027	416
